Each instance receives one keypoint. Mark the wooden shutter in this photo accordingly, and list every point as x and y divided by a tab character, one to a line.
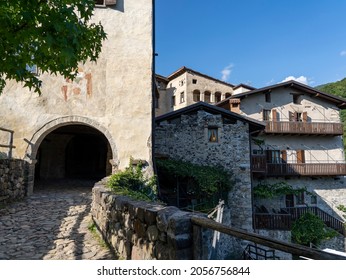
274	115
284	156
300	156
305	116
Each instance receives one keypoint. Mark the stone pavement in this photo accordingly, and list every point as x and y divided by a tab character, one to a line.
52	224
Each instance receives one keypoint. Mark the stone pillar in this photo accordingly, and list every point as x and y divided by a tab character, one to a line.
212	97
202	96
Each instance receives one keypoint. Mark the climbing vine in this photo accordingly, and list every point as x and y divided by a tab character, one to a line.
267	191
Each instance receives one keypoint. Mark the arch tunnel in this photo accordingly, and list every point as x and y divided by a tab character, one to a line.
73	152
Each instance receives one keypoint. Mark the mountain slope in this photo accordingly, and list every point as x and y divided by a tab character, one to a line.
337	88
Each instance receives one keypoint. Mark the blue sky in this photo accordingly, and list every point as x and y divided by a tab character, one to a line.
256	42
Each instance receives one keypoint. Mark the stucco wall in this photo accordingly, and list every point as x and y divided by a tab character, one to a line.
114	95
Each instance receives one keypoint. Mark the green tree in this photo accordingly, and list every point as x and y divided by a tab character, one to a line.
53	35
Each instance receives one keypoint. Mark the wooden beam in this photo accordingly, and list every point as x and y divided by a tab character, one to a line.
294	249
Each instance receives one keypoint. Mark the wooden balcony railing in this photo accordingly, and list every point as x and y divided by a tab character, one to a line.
276	221
259	165
316	128
306	169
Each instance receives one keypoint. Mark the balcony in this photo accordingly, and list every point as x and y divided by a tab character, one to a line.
304	128
259	165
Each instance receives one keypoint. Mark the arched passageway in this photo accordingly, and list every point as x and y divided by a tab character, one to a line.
73	151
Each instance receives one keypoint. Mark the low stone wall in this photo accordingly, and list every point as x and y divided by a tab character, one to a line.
143	231
12	179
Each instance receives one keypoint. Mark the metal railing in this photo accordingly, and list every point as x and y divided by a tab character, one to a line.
9	145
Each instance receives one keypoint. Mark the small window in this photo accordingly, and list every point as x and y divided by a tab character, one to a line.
173	101
266	115
182	97
217	97
213	135
296	99
100	2
267	97
194	81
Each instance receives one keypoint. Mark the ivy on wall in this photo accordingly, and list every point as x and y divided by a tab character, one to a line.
268	191
204	183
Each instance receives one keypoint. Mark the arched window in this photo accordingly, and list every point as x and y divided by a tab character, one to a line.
217	96
228	94
207	96
196	95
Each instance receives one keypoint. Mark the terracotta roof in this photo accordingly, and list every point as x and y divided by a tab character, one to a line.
338	101
184	69
255	125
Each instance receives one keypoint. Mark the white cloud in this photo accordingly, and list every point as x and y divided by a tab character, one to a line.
343	53
301	79
226	72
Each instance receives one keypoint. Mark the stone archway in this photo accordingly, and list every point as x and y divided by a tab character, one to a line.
59	123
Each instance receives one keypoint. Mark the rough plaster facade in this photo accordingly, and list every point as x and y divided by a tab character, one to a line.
112	96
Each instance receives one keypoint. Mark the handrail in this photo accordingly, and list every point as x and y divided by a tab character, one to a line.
10	141
294	249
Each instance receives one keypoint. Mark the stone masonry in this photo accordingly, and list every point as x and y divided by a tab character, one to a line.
12	179
139	230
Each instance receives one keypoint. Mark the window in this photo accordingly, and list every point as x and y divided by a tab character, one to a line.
273	156
213	135
196	96
266	115
313	199
300	199
217	97
296	99
105	2
267	97
194	81
173	101
207	96
182	97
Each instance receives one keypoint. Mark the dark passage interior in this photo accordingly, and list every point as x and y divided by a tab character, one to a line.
73	151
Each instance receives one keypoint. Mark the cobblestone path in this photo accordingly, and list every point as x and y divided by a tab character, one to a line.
51	224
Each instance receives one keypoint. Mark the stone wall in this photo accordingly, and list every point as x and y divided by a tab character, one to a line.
138	230
12	179
186	139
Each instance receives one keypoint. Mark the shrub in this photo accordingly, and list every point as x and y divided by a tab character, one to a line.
132	182
310	229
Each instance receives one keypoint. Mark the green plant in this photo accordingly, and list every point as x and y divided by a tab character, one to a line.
310	229
267	191
205	184
132	182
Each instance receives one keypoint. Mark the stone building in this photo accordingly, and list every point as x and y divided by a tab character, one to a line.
207	135
91	126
